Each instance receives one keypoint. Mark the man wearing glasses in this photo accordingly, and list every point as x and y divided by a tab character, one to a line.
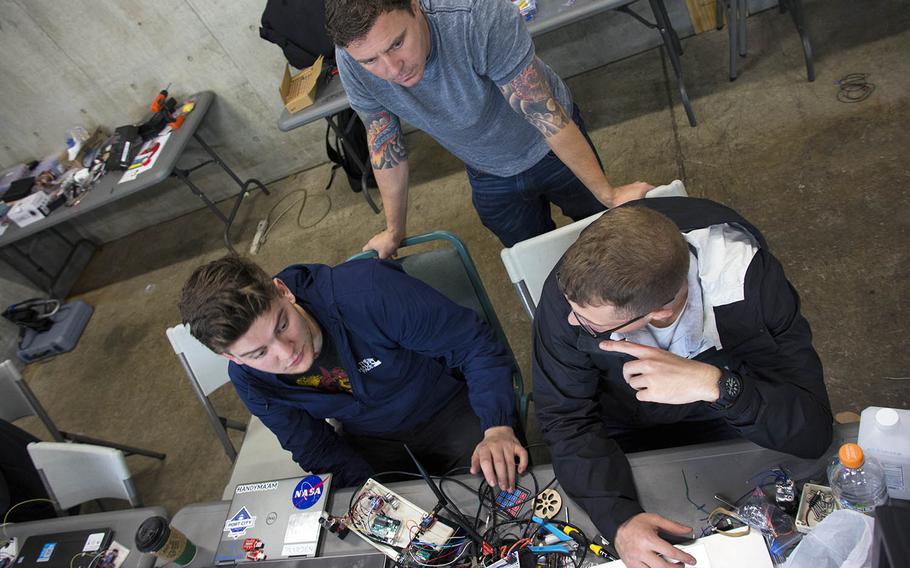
668	323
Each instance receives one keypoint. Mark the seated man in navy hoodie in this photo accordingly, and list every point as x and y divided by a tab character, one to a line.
668	322
363	343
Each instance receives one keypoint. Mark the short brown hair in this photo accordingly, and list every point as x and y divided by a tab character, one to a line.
633	258
222	299
347	21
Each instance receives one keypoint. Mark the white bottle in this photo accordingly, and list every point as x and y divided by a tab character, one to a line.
884	433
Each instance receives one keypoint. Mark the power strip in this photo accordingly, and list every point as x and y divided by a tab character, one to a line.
259	237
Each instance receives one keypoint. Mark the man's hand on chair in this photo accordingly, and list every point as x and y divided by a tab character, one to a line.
385	244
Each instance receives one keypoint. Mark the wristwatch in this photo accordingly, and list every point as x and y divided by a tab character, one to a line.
730	385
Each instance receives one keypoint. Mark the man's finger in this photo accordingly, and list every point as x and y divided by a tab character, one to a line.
627	347
639	382
475	461
489	470
502	468
522	458
633	368
652	560
672	526
674	553
509	458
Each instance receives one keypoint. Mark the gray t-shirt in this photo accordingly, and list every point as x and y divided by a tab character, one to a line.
476	46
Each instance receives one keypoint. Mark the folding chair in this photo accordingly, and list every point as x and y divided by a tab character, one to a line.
452	272
18	401
207	372
75	473
737	12
260	450
530	261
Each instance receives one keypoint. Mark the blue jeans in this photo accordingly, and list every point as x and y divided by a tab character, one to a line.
518	207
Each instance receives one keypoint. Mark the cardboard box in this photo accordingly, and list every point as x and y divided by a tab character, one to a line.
299	91
99	136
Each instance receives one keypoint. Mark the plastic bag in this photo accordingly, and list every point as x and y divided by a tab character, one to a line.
842	540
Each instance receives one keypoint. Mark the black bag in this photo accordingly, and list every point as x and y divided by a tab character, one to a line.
32	314
298	28
356	134
125	144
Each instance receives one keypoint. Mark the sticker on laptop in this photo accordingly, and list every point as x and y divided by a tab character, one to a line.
93	542
308	492
46	552
237	525
254	487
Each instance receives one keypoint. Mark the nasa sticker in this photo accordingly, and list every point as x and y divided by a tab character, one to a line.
307	492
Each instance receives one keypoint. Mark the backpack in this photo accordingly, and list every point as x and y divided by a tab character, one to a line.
356	134
298	28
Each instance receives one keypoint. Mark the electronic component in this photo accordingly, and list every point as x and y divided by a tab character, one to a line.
256	555
547	504
510	503
426	522
385	528
392	529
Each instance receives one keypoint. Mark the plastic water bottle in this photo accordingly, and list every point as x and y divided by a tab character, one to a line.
884	434
857	483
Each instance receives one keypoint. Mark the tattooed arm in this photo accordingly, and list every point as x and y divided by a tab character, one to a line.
389	159
530	95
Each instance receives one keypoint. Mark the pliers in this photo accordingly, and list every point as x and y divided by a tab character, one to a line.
567	544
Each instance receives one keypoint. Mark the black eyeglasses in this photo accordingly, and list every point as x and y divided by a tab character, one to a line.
601	335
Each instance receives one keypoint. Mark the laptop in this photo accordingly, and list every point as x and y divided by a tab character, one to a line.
272	520
77	549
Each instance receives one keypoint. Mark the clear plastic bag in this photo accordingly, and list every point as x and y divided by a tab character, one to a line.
842	540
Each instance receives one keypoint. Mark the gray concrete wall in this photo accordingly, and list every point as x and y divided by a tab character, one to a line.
100	63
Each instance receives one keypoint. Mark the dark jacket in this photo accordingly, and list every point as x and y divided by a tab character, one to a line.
784	404
397	339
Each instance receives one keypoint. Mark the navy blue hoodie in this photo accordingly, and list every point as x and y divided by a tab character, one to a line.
398	339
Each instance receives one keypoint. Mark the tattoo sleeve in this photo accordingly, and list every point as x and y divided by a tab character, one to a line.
385	140
529	94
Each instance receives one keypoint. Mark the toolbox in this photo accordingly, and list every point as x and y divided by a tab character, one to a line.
68	324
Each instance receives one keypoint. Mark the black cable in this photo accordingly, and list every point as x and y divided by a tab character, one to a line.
853	88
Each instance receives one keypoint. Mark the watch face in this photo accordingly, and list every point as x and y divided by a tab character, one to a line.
732	387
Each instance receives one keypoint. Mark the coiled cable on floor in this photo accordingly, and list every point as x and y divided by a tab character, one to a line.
854	88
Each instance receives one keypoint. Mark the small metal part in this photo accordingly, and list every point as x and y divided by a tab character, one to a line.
724	501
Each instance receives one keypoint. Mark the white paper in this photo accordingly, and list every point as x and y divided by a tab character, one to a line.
303	527
93	542
743	552
145	162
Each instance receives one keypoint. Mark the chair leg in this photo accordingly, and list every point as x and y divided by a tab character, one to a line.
742	16
719	6
732	30
795	8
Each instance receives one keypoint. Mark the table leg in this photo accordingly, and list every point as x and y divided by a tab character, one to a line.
245	188
352	155
667	34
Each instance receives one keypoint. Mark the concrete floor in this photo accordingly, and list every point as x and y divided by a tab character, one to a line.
826	181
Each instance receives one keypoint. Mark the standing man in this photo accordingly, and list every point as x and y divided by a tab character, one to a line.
465	72
669	322
387	356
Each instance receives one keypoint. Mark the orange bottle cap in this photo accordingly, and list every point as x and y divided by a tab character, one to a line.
851	455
